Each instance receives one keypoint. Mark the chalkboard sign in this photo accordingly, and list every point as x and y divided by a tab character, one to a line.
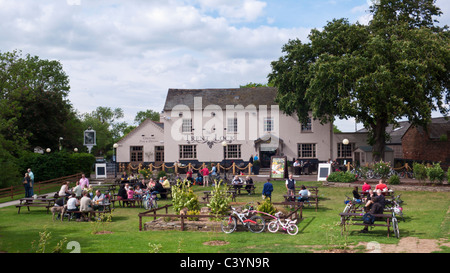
324	171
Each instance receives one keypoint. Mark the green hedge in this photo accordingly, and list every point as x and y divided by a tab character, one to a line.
340	176
56	164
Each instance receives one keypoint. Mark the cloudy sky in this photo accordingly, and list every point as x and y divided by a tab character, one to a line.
127	54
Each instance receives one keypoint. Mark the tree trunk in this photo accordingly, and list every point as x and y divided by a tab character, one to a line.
379	137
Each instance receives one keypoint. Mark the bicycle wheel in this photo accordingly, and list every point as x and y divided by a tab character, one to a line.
257	224
292	229
273	226
228	224
395	227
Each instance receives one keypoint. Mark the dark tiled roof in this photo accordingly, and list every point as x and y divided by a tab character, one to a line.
221	97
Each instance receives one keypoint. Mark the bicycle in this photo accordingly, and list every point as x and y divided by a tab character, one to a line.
149	201
394	206
395	225
289	225
255	223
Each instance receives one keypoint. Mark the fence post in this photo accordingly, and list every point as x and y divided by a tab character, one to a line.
249	168
234	168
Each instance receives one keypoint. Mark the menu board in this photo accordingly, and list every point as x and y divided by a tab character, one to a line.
278	167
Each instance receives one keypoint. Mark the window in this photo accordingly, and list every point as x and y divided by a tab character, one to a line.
159	153
344	151
306	150
136	153
232	151
307	127
268	124
232	125
188	151
187	125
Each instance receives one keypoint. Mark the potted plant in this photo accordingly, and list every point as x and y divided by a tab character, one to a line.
256	166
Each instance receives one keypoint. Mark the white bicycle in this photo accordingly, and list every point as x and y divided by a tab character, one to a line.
289	225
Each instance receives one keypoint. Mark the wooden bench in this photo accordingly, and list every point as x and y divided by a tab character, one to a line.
207	194
129	201
357	219
90	213
243	189
38	202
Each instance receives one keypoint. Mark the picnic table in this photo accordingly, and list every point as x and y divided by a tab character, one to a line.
41	201
357	219
311	199
105	208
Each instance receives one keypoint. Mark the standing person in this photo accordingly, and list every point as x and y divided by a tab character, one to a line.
84	182
26	183
213	171
290	185
205	173
31	175
267	189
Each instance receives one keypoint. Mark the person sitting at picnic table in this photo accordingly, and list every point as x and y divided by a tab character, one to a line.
77	190
189	176
248	184
158	188
142	184
72	205
151	184
304	194
356	195
122	193
237	182
124	177
85	203
98	200
267	189
138	192
381	186
127	186
375	205
365	187
64	191
130	193
166	183
199	179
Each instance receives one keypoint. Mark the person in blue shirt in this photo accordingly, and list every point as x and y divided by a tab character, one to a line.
267	189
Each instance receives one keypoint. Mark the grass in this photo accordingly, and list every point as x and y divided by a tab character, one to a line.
426	215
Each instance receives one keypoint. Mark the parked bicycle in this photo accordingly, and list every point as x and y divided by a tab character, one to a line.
394	206
255	223
289	225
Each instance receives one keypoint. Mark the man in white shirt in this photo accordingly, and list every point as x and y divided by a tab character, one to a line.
99	200
72	205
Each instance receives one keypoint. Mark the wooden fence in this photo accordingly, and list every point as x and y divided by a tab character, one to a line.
38	187
234	167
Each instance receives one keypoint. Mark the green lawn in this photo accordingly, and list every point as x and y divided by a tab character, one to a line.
426	215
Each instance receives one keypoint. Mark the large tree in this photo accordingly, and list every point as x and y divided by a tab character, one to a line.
34	104
397	66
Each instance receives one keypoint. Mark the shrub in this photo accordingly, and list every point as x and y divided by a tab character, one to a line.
184	197
220	199
267	207
448	174
339	176
420	171
382	168
436	173
394	180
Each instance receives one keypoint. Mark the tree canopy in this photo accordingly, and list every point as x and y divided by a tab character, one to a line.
396	66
